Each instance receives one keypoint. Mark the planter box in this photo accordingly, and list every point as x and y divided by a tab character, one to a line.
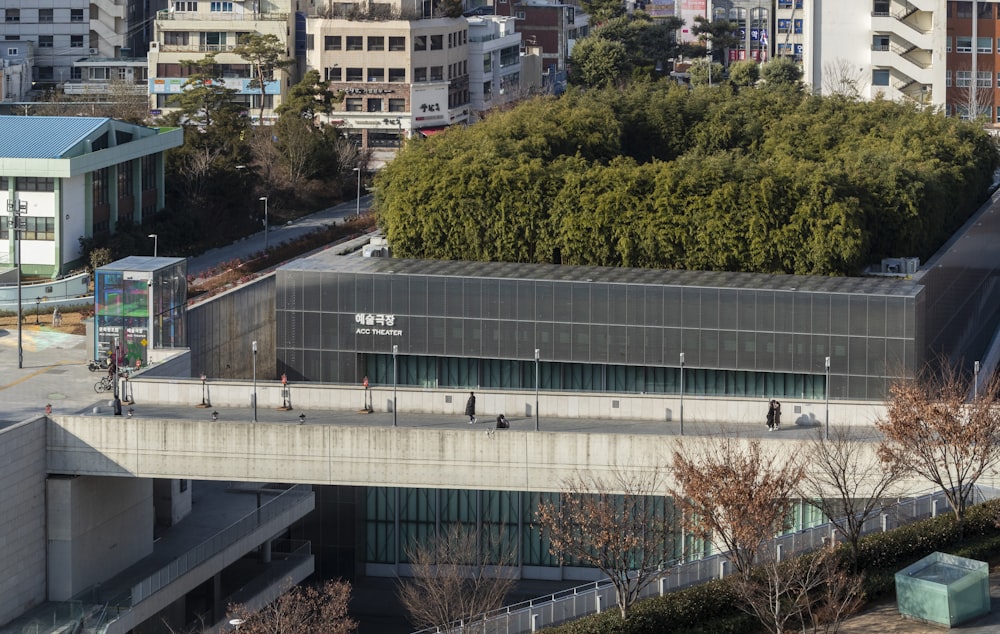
943	589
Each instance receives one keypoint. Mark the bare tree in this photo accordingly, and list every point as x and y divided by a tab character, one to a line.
457	576
844	78
620	526
943	428
973	102
732	493
319	609
810	592
847	482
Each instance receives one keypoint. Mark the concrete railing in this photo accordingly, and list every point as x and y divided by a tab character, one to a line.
595	597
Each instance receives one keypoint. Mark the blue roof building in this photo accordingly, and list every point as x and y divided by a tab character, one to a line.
75	177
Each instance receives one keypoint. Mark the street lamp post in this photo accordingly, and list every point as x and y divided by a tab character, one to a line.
827	390
254	381
264	198
38	307
682	394
156	241
975	381
17	208
537	354
358	210
395	351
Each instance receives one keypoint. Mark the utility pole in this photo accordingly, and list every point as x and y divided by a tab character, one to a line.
17	208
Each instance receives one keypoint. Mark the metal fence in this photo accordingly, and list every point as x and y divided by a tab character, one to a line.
592	598
223	539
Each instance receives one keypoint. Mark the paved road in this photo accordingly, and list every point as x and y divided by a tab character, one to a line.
276	235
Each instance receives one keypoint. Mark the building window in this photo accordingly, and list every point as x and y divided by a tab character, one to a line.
420	42
963	78
100	186
44	41
963	9
947	78
880	77
45	15
76	15
419	74
437	42
487	62
998	113
376	74
374	105
34	184
331	43
984	79
397	43
148	166
36	228
437	73
124	179
397	75
355	74
984	44
509	56
520	15
76	41
12	51
185	5
44	72
221	7
333	74
397	105
12	15
354	42
175	38
985	11
376	43
963	44
353	104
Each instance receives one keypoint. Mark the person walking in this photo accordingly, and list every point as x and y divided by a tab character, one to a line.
470	408
777	413
770	415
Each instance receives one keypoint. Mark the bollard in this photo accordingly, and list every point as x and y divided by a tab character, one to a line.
597	603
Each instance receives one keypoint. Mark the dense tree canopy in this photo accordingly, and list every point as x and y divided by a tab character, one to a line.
768	179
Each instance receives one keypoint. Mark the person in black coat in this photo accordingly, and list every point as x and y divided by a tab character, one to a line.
470	408
770	416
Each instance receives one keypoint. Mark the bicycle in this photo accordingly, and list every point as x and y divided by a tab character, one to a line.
104	385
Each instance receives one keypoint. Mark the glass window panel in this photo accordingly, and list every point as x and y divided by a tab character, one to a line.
654	346
599	343
709	308
691	347
544	302
729	309
617	341
473	338
803	353
654	305
541	335
636	353
895	316
857	387
454	336
820	314
765	310
857	360
729	348
312	332
691	307
672	300
747	308
820	350
765	351
381	303
418	296
312	365
599	311
635	305
876	316
454	304
399	292
616	304
508	339
877	387
894	357
876	356
784	311
581	303
839	314
416	335
364	297
507	298
435	297
311	294
709	342
562	302
580	350
490	290
562	338
784	351
858	315
803	312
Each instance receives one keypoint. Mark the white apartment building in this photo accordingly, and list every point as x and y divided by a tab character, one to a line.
495	42
399	76
190	29
66	30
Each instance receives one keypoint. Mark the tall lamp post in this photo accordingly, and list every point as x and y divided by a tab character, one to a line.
682	394
358	208
254	381
17	208
264	198
537	351
826	436
975	381
395	350
156	240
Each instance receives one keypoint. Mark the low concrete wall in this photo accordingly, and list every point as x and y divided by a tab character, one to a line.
451	402
460	457
22	518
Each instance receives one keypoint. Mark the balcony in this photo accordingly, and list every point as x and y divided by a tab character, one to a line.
166	15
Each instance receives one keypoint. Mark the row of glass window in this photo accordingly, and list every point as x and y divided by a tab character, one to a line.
35	228
29	184
963	44
963	79
426	371
44	15
396	43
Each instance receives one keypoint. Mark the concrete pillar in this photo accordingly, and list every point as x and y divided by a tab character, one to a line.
534	622
597	602
265	552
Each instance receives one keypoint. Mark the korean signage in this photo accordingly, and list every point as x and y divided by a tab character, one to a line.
429	102
376	325
175	85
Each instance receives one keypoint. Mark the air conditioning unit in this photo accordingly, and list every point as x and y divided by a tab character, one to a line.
93	51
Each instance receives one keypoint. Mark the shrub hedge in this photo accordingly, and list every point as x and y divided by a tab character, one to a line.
713	607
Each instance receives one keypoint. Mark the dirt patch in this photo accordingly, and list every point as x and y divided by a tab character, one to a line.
72	323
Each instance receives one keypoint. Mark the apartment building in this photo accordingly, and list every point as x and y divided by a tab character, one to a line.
64	31
497	80
972	47
190	29
399	76
550	26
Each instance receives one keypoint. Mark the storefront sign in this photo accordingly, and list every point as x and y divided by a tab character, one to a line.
370	319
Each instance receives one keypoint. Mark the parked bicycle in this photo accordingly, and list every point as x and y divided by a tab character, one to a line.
104	385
